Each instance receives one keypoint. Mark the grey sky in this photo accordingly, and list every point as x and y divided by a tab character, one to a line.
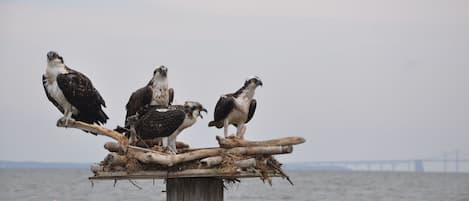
358	79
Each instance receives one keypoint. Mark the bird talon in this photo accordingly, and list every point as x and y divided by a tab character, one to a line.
62	122
170	151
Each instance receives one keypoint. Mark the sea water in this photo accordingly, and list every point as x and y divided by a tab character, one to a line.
73	184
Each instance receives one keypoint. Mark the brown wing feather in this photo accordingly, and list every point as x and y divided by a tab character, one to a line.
154	123
252	110
171	96
224	106
137	100
80	92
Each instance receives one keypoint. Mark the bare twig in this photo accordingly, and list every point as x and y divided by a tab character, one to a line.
99	130
135	184
279	170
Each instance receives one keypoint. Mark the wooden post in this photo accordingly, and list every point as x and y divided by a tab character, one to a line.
194	189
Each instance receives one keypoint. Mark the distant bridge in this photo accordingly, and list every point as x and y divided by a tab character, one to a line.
449	162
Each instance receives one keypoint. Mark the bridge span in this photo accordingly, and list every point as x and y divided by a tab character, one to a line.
449	162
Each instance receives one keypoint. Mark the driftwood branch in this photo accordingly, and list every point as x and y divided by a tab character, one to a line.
114	147
170	160
268	150
95	168
211	161
248	163
237	142
115	159
99	130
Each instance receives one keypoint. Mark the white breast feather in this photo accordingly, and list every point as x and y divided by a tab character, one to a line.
160	93
239	114
56	93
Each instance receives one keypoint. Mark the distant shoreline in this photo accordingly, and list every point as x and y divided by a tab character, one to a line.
69	165
39	165
294	166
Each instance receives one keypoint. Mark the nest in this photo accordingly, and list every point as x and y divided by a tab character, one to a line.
233	159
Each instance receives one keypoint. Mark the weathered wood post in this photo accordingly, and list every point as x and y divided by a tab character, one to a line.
194	189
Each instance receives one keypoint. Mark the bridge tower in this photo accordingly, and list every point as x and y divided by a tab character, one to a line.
457	161
419	166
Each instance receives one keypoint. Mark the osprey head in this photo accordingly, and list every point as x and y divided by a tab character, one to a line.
194	108
54	57
256	81
161	71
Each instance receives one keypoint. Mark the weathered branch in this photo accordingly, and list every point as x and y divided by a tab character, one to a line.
95	168
114	147
269	150
99	130
170	160
237	142
211	161
115	159
248	163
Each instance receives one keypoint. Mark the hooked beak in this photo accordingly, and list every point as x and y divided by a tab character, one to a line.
202	110
259	83
164	72
51	55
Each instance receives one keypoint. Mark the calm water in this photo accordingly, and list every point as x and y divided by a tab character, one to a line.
71	184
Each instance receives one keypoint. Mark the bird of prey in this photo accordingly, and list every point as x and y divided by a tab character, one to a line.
155	93
153	122
237	108
72	93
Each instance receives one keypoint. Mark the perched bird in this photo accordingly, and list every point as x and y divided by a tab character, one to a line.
236	108
72	93
167	123
155	93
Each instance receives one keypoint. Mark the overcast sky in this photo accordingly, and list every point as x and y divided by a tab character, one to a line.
360	79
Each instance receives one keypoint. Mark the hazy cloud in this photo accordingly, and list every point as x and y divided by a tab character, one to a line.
359	79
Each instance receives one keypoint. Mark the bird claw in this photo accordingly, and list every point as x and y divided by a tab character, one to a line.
170	151
64	122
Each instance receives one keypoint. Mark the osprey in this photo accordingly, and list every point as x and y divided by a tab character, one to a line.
236	108
72	93
167	123
155	93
